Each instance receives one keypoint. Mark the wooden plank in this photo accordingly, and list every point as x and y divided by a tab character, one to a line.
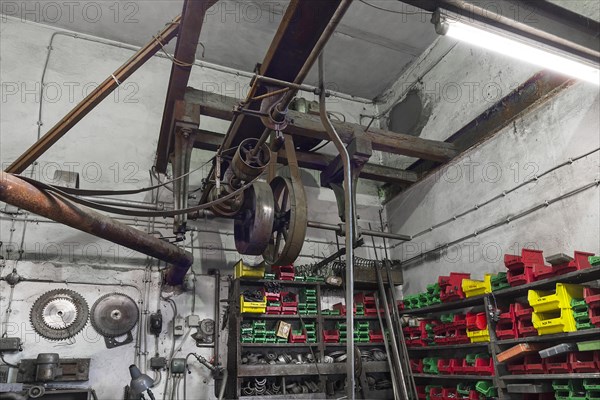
308	125
211	141
94	98
192	18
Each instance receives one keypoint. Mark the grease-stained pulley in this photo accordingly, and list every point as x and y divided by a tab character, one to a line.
254	224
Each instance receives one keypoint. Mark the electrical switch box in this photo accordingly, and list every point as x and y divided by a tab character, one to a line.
10	344
4	370
157	363
178	366
193	321
178	326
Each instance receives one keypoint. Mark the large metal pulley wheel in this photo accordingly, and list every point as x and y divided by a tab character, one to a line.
253	225
247	163
289	225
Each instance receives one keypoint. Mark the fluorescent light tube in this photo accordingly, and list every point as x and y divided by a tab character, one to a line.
522	51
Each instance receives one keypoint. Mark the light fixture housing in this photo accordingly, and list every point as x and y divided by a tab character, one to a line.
517	47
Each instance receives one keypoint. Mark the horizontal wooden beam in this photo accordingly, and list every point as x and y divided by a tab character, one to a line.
308	125
207	140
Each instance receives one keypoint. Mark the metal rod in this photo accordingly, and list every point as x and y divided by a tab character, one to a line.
24	195
342	227
349	218
126	203
386	345
279	82
388	319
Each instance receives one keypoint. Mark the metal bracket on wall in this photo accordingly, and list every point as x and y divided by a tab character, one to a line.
73	369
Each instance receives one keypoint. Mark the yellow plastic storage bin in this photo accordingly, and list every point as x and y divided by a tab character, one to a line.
244	271
544	300
479	336
253	307
475	288
549	323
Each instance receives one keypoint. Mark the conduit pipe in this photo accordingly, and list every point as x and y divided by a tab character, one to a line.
21	194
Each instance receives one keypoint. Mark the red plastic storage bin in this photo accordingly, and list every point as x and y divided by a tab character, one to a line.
476	321
283	272
534	364
522	310
525	327
376	336
457	336
584	361
592	296
331	336
521	268
558	364
421	394
435	392
506	329
484	366
274	310
289	303
416	366
449	394
451	286
446	366
594	313
516	368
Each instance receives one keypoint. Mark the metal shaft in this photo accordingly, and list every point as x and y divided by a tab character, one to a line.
21	194
350	234
387	351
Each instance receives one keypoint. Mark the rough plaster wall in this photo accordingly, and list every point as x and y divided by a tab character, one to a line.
565	127
114	147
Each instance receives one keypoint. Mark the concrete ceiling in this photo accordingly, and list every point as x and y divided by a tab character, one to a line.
366	55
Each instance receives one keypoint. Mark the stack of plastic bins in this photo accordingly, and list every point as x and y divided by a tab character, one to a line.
451	286
581	314
297	336
368	301
569	390
289	303
592	299
433	294
506	327
273	302
472	287
477	330
580	261
447	366
592	388
284	272
520	268
259	329
308	302
253	307
523	315
331	336
342	329
486	388
242	270
361	331
310	329
552	311
499	281
449	393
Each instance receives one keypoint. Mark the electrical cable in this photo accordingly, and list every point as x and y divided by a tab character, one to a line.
394	11
503	194
138	213
506	220
6	362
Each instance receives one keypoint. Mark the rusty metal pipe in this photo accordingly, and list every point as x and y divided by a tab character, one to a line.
21	194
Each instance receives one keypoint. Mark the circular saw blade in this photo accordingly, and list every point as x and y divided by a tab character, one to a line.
59	314
114	314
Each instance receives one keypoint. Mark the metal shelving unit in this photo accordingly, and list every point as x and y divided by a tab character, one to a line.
506	296
244	371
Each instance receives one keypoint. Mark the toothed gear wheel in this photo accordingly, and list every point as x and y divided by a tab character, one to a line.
59	314
114	314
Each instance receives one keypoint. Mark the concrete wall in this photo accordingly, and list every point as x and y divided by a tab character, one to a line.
565	127
114	148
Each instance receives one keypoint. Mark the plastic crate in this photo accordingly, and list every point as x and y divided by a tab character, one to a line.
242	270
331	336
283	272
506	329
430	365
486	388
554	322
499	281
376	336
544	301
594	313
479	336
285	302
522	310
558	364
584	361
416	366
525	327
520	268
253	307
534	364
580	261
447	366
591	296
476	321
472	287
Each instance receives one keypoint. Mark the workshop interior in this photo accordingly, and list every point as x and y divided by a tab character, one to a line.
300	199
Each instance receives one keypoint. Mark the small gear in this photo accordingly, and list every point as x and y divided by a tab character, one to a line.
59	314
114	314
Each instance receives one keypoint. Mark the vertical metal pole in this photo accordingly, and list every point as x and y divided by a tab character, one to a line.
350	225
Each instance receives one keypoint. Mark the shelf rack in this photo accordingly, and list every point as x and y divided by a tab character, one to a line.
244	371
495	346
